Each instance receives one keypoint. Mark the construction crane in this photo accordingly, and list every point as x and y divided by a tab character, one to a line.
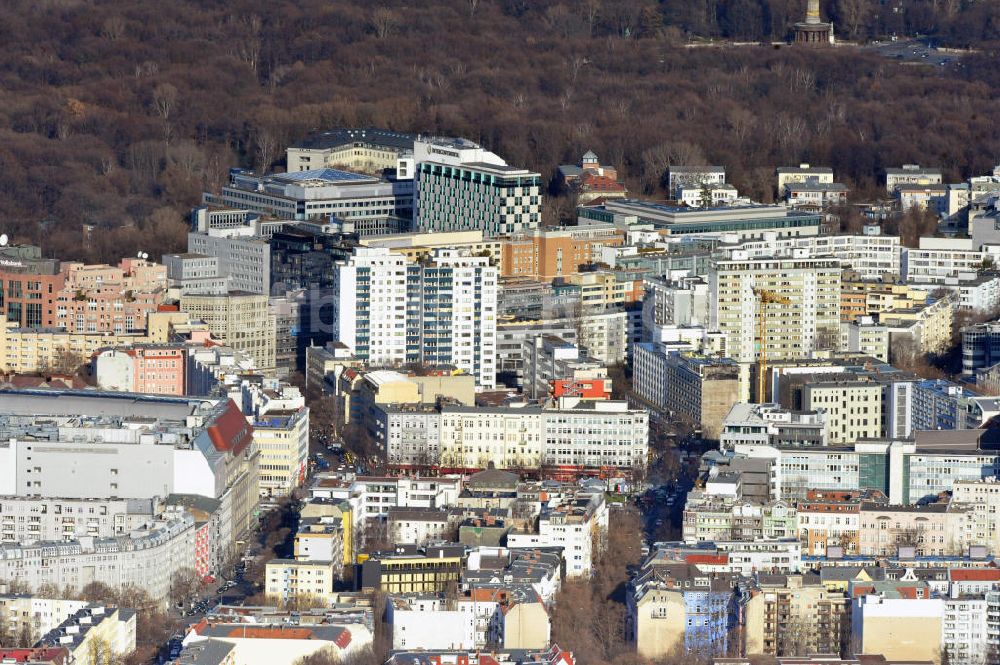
764	298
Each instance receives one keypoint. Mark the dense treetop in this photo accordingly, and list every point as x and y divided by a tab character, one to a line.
118	114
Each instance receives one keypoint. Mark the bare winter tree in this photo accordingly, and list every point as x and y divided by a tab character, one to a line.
795	637
164	101
384	22
183	585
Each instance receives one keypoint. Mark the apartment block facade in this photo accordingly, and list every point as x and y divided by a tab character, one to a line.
237	319
810	322
441	311
572	434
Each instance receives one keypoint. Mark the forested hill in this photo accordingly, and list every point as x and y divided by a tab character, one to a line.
119	113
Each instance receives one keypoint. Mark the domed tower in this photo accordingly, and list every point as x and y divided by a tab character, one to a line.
813	31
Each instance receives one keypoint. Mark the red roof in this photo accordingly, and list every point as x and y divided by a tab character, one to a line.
267	633
51	654
343	639
230	432
907	592
592	182
974	574
712	559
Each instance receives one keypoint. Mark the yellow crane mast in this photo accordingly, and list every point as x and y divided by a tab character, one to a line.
764	298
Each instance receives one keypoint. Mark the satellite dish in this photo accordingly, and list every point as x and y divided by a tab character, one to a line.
145	255
4	239
138	255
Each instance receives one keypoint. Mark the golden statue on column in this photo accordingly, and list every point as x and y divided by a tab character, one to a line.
813	31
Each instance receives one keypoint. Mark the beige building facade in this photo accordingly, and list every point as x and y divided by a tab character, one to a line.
796	614
292	580
809	322
932	530
30	350
898	628
240	320
853	408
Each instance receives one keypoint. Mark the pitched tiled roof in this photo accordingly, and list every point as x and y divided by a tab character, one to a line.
974	574
230	432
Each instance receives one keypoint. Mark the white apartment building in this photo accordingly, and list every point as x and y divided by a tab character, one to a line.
993	623
671	304
820	529
938	259
802	173
377	494
911	174
38	615
287	579
369	310
143	448
973	291
243	258
717	194
605	335
595	434
688	176
389	311
817	195
964	630
573	433
460	186
458	296
32	519
810	322
574	527
94	634
870	254
420	526
321	539
411	434
146	559
923	197
981	501
425	622
779	555
473	437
